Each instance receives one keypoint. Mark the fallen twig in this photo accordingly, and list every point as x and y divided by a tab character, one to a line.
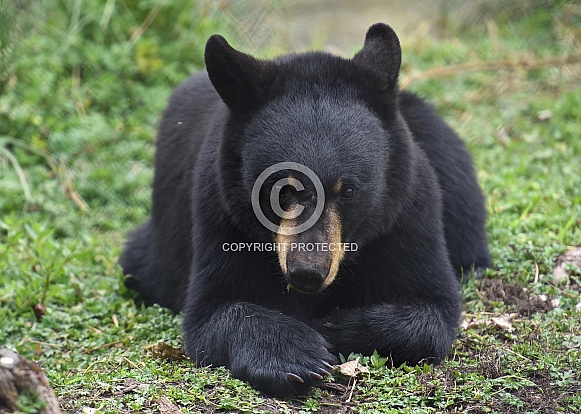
526	64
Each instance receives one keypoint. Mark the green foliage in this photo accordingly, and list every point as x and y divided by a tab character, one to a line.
82	86
84	89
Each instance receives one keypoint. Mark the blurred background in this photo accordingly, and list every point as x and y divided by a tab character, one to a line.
83	83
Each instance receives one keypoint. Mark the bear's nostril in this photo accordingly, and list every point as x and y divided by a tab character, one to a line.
306	281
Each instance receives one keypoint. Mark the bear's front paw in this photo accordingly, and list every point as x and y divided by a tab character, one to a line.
290	367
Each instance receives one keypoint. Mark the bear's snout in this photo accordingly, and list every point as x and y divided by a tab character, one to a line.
310	260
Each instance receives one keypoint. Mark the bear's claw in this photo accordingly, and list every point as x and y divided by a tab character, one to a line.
329	366
315	375
294	377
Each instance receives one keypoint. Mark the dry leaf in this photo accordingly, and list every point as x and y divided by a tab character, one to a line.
167	407
130	385
165	351
503	321
39	311
544	115
352	368
571	256
472	323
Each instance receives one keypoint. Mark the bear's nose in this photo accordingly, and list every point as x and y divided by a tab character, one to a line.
307	278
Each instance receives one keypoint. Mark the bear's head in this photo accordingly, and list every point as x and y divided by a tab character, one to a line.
313	156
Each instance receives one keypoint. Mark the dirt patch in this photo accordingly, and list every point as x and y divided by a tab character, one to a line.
542	396
514	296
498	290
533	304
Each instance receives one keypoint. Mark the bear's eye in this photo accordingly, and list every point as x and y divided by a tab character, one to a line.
347	192
285	193
289	195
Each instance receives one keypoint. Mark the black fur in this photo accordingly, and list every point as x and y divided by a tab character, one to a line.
415	191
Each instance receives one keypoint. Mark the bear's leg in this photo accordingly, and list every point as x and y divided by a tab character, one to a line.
233	313
405	333
155	282
137	261
275	353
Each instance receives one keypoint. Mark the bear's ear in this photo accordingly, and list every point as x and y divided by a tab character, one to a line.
382	52
237	77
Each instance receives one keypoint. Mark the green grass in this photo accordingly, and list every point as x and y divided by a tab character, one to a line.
82	88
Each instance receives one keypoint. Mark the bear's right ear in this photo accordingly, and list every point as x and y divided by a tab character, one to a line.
382	52
237	77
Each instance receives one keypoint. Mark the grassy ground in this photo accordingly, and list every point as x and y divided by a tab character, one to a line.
82	87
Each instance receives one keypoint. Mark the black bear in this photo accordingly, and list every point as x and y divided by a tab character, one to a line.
305	207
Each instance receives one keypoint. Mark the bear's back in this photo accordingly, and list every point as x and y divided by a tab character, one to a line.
464	211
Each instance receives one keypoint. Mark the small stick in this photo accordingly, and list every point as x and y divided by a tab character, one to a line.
526	64
351	391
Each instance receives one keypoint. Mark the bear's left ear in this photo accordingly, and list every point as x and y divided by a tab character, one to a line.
238	78
382	52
